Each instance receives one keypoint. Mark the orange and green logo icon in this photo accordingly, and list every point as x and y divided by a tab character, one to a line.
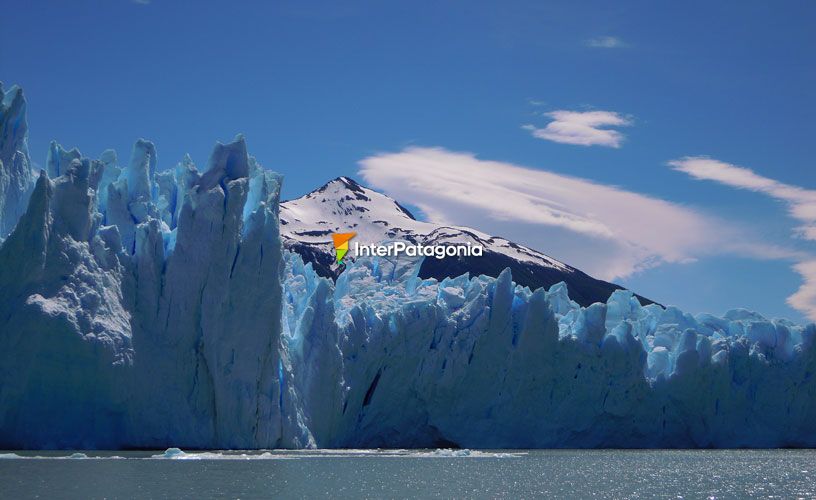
341	244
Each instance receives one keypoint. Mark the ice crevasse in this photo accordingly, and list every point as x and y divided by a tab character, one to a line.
153	308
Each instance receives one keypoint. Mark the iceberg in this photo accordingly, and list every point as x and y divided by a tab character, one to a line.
150	308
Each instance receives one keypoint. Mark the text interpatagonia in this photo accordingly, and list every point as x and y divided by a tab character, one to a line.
401	248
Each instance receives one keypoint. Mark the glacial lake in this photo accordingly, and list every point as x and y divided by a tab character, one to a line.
411	473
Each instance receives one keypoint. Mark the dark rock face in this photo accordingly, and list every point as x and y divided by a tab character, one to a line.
583	288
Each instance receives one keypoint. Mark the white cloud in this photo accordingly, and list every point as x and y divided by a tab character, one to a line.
605	42
604	230
801	204
582	128
804	299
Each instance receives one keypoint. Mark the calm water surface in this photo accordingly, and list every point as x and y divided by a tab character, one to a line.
403	474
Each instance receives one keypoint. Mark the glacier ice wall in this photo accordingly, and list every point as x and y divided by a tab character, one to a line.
143	308
150	308
481	362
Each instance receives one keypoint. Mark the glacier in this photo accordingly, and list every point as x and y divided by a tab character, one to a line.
153	308
479	362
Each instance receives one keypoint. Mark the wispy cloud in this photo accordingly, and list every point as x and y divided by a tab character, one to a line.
605	42
141	2
804	299
605	230
801	204
582	128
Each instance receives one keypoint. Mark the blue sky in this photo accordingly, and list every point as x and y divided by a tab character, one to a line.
322	89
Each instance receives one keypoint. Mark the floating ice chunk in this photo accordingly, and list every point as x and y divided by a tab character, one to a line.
171	453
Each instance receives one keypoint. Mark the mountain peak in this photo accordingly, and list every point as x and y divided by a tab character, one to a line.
348	182
341	182
337	190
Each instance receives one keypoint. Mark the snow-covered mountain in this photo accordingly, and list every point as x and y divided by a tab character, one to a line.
343	205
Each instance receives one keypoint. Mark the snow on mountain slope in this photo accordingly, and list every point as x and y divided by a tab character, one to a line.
343	205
